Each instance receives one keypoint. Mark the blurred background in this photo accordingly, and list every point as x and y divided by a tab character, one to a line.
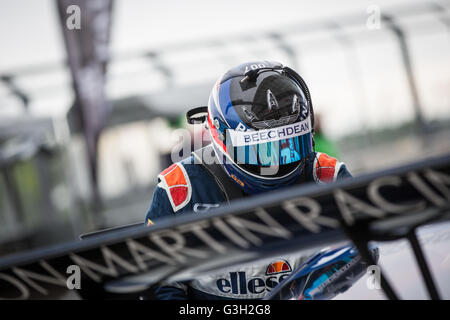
91	94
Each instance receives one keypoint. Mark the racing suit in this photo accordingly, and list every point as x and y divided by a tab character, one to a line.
187	187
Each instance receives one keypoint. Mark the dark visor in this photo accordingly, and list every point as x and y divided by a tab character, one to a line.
274	153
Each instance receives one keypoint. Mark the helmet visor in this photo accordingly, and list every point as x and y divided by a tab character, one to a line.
283	147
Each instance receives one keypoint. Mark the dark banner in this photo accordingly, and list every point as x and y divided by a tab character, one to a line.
86	26
273	224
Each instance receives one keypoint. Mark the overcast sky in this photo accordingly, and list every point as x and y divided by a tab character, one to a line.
30	35
29	32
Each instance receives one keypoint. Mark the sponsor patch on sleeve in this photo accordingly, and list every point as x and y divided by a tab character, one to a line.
326	168
175	181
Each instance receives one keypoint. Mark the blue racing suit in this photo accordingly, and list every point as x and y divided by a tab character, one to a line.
187	187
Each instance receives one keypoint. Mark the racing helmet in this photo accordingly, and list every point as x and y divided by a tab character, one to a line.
260	120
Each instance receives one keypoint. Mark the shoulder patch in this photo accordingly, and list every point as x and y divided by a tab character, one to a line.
326	168
175	181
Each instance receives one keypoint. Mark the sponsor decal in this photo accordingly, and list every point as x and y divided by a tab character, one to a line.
239	138
330	280
241	127
237	180
278	267
239	283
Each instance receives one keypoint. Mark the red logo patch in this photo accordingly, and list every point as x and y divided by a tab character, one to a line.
279	266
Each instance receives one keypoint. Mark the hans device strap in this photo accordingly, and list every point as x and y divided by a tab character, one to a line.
228	187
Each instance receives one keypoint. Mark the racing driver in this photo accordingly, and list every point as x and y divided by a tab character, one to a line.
261	124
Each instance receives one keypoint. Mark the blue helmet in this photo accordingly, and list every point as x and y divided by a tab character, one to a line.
261	120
